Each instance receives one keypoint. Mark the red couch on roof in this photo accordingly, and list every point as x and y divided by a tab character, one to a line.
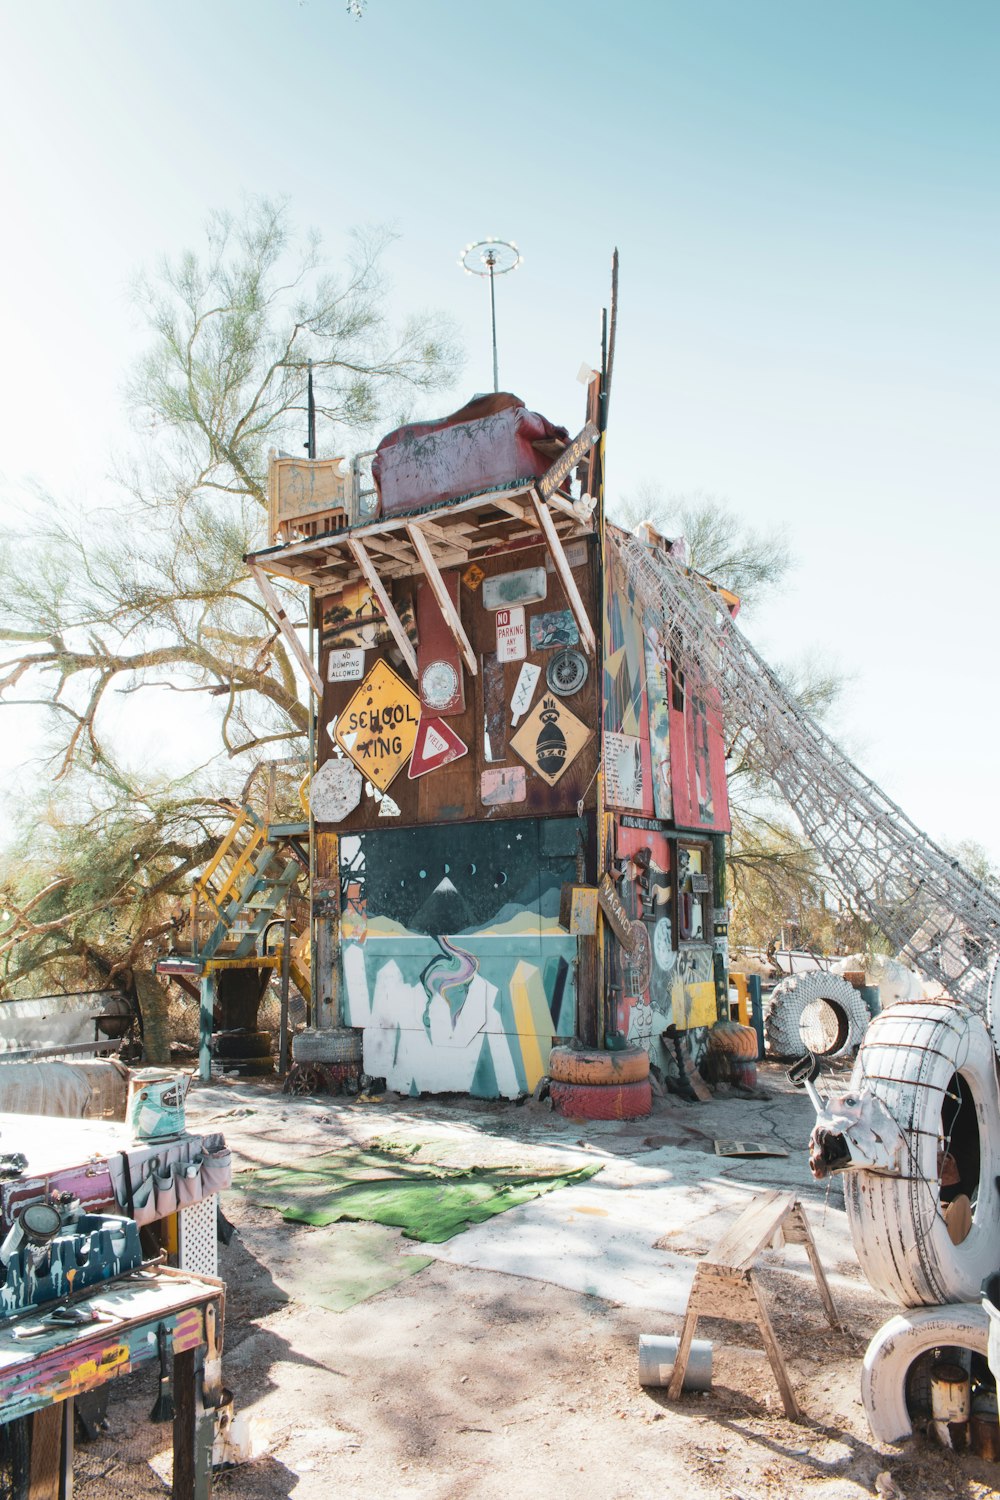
490	443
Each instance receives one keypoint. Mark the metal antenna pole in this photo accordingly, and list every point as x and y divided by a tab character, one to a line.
310	442
492	258
491	262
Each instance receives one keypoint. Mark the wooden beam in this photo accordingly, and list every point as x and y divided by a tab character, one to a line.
287	629
377	587
441	594
565	572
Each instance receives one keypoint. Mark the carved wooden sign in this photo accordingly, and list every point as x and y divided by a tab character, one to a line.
618	918
568	460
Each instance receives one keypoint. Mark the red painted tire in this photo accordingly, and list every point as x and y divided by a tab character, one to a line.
581	1065
603	1101
743	1073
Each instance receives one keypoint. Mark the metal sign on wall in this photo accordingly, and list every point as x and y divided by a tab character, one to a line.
550	739
378	727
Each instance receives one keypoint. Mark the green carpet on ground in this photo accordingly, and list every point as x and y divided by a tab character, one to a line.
427	1202
353	1262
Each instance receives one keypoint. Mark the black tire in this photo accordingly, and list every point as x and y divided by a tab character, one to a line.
242	1044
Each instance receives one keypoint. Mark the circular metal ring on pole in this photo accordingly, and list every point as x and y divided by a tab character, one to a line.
491	257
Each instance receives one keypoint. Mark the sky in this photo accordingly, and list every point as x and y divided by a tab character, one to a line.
805	201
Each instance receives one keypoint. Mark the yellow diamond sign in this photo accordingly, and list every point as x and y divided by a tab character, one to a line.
379	725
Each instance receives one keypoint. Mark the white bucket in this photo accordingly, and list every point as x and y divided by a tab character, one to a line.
657	1356
155	1108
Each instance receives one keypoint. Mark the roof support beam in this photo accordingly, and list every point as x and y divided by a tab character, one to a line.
565	572
377	587
288	631
441	594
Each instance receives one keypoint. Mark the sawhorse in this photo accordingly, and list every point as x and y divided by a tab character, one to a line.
726	1287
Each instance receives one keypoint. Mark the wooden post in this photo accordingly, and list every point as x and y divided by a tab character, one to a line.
206	1023
68	1437
565	572
46	1451
288	630
378	588
194	1429
441	594
286	962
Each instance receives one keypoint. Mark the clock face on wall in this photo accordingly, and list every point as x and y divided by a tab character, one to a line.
439	685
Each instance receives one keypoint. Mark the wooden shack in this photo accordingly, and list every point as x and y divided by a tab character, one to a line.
499	741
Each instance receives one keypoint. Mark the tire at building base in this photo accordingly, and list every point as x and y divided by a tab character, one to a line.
339	1044
910	1058
783	1016
895	1349
733	1039
607	1101
581	1065
241	1044
743	1074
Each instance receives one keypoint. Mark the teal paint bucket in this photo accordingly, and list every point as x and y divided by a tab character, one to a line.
155	1107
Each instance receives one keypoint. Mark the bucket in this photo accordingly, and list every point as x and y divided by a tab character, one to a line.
984	1428
155	1108
657	1356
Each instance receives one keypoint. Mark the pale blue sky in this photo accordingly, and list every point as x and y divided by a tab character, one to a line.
805	200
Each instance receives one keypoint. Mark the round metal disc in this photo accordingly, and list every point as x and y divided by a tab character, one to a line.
566	672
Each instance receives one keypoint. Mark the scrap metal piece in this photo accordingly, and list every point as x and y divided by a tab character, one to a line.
854	1131
567	672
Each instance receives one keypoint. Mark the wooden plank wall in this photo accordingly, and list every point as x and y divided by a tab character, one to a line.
452	794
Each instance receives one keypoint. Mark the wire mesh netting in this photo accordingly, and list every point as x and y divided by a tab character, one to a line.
946	921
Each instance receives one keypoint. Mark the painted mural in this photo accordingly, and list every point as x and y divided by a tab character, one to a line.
454	961
628	770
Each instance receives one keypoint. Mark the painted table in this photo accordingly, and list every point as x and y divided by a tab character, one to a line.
82	1157
40	1376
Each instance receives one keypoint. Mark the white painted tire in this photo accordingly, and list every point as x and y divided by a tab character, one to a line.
910	1055
783	1017
894	1349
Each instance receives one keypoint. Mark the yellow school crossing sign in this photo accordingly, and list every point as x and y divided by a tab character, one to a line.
378	727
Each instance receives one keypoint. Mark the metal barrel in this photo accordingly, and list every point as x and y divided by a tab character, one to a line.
656	1361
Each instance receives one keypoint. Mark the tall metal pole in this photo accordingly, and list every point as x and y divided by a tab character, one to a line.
491	258
310	443
491	261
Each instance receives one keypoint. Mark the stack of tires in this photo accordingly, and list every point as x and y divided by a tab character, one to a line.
590	1085
837	1021
931	1065
732	1052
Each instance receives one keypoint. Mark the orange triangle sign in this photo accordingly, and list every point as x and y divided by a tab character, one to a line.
436	745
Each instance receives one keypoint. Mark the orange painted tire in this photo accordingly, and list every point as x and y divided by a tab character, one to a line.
603	1101
576	1065
733	1039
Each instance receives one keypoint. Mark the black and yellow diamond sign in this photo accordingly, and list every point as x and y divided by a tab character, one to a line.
550	739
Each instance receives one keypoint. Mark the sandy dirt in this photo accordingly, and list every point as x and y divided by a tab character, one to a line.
467	1383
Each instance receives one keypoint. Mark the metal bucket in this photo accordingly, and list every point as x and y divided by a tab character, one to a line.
657	1356
155	1108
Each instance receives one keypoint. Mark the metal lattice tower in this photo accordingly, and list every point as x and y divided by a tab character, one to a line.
945	921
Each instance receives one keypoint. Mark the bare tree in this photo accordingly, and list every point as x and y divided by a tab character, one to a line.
150	598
